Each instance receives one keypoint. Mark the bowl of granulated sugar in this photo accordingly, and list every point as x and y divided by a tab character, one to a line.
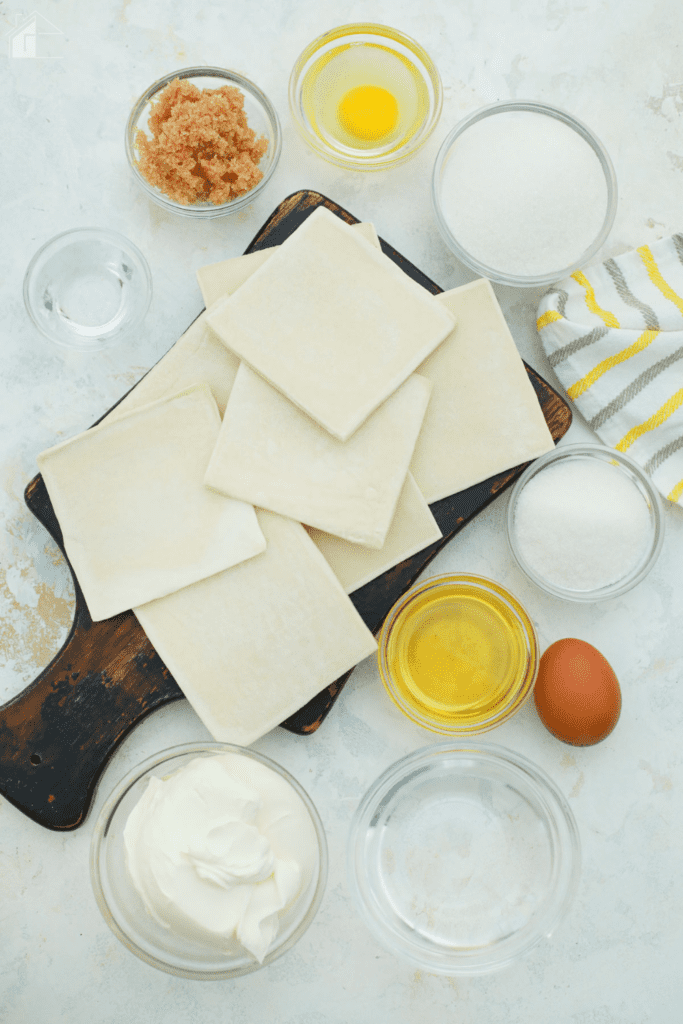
585	522
524	193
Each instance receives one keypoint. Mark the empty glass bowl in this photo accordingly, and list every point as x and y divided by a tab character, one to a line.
124	910
261	117
87	287
523	193
461	859
365	96
585	538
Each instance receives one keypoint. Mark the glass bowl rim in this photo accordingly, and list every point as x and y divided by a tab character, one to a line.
204	210
565	852
416	141
94	233
106	815
518	694
582	129
604	454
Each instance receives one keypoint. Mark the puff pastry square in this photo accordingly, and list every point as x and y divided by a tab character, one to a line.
271	454
483	415
332	323
198	357
252	645
216	280
412	529
137	521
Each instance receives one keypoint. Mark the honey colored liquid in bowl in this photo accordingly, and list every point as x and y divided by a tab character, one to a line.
456	654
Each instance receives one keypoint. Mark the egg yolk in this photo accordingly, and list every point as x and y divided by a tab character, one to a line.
368	112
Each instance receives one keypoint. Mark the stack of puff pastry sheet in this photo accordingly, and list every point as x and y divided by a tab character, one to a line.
307	351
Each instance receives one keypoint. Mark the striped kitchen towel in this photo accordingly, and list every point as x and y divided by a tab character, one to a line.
614	336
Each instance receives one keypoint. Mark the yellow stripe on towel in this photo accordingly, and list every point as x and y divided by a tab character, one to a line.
662	414
654	273
607	318
677	491
548	317
646	338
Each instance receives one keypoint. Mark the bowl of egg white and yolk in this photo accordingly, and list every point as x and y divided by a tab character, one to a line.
365	96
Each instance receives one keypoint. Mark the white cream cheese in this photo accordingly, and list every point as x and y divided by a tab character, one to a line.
219	850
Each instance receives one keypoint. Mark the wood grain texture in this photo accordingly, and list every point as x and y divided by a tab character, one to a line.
58	734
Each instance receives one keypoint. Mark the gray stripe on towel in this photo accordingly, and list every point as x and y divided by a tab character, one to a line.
649	315
663	454
561	298
575	346
634	388
678	243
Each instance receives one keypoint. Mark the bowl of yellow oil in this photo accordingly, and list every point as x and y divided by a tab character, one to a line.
365	96
458	654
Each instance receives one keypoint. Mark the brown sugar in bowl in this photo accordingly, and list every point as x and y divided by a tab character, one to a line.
202	148
203	142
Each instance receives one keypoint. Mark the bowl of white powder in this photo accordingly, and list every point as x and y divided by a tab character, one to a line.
524	193
585	522
208	861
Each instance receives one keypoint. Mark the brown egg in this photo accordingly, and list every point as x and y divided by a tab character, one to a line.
577	694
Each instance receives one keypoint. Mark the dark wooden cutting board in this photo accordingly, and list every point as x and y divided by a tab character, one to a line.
58	734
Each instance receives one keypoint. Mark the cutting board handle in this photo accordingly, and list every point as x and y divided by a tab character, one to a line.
57	735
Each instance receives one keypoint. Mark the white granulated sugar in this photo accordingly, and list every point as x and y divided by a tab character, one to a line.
523	193
581	525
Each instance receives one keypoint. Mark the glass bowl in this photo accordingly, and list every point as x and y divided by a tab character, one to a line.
123	909
261	116
488	175
87	287
458	654
633	570
461	859
358	56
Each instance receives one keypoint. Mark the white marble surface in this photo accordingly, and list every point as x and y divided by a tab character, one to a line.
618	65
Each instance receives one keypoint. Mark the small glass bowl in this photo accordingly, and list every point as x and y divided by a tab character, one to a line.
461	859
495	273
452	620
261	116
354	45
87	287
593	453
123	909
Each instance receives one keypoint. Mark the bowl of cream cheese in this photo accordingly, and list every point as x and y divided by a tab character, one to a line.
208	861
